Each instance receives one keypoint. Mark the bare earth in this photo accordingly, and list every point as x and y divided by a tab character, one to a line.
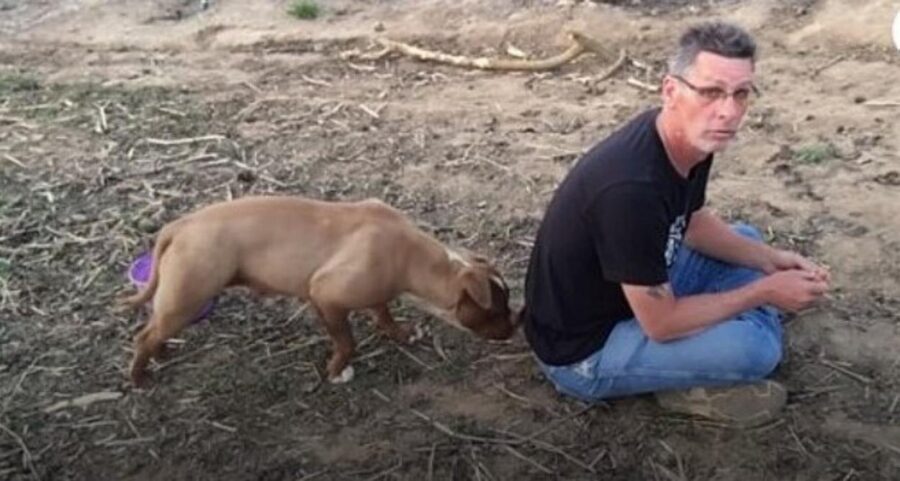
117	116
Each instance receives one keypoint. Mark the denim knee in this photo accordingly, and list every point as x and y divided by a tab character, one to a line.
760	355
747	230
580	380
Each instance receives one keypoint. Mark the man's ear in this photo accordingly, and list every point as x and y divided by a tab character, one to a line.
478	287
667	90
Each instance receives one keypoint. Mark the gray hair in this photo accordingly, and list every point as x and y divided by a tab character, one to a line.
720	38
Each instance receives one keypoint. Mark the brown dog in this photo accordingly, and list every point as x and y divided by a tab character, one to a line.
338	256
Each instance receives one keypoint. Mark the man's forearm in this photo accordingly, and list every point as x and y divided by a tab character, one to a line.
711	236
690	314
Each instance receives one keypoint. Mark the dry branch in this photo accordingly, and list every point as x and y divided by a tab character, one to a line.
623	59
580	43
190	140
26	454
642	85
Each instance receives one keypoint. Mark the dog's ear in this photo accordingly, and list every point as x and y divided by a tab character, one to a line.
477	286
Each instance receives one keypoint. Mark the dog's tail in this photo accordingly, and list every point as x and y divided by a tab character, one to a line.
162	243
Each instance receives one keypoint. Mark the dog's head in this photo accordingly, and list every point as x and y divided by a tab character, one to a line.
482	305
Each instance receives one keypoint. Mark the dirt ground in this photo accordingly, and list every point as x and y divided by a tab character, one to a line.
119	115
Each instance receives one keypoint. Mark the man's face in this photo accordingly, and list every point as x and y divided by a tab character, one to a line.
710	100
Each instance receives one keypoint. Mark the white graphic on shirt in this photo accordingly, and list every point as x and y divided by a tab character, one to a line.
676	235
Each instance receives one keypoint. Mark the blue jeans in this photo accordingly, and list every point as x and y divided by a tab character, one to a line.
738	350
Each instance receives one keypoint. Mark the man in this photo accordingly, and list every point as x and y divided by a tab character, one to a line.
634	287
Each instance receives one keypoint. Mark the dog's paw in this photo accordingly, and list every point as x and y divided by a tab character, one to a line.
405	333
138	378
417	334
344	377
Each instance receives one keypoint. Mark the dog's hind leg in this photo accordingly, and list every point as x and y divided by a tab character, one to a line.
182	293
150	341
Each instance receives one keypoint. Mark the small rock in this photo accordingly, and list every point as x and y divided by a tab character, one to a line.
379	27
891	178
782	169
859	99
146	225
246	176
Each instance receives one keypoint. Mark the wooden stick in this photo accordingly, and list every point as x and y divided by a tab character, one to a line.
189	140
26	454
642	85
827	64
431	462
557	450
581	43
252	87
14	160
313	81
484	63
180	359
556	423
16	121
316	474
415	358
465	437
882	103
847	372
623	58
528	460
387	471
797	440
372	113
103	127
598	457
517	397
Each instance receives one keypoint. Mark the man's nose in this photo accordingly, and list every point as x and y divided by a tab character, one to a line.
729	108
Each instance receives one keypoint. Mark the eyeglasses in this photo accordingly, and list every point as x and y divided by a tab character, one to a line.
715	94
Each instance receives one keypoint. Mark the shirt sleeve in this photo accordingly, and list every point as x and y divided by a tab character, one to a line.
629	227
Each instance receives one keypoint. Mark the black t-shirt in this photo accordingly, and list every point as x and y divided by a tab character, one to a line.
618	217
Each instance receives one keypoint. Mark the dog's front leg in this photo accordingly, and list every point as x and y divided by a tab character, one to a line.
385	322
336	324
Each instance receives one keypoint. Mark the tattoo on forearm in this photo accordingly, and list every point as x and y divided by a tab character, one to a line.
657	292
